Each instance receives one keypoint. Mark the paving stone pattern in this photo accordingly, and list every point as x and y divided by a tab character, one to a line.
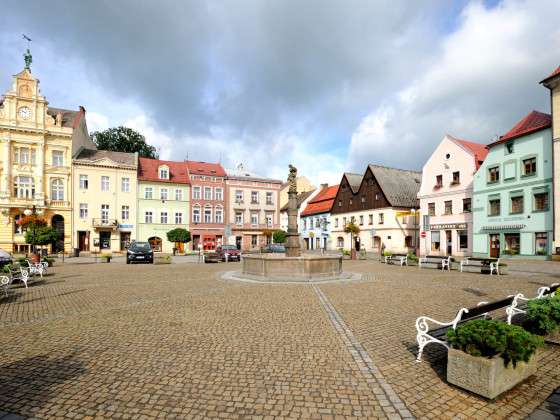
131	342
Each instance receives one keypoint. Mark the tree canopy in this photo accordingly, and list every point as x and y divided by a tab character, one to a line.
178	235
352	228
40	235
123	139
279	236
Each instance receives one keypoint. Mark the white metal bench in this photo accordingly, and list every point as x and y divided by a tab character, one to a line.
519	304
445	262
494	266
401	258
20	274
5	283
37	268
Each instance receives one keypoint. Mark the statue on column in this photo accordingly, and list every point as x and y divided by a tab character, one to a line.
292	179
28	59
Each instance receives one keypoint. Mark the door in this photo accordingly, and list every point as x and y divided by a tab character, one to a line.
494	246
448	242
238	241
58	223
82	237
125	240
105	240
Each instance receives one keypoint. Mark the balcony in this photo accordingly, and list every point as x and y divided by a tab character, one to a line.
57	203
105	223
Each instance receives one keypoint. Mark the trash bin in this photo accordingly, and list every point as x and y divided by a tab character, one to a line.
76	252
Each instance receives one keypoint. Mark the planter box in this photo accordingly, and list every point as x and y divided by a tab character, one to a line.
160	260
486	377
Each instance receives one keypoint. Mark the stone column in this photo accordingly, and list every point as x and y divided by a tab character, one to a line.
292	241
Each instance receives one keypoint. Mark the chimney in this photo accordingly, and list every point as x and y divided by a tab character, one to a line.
324	186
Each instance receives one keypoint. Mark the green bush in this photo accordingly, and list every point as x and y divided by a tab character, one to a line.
488	338
48	260
387	253
412	257
345	252
7	268
21	260
543	315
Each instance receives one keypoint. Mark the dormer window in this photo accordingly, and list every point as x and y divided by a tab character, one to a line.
163	172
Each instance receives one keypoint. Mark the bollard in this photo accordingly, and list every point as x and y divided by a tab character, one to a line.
227	257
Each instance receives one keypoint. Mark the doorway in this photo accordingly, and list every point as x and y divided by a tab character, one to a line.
125	240
238	242
57	222
448	242
104	240
357	243
495	245
83	240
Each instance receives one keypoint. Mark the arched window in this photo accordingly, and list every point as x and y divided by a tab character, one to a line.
57	189
340	242
24	187
219	214
196	214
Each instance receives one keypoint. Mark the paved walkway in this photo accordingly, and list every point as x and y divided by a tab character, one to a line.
144	341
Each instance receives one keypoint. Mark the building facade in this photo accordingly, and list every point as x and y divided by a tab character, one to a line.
38	143
446	197
552	82
315	225
163	202
512	206
104	200
383	204
303	185
301	202
253	208
208	204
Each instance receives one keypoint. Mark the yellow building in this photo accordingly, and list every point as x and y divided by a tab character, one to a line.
303	185
37	145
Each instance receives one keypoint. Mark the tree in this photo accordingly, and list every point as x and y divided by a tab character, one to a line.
40	235
179	235
279	236
353	229
123	139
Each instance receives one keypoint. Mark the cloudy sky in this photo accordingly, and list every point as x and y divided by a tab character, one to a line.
327	85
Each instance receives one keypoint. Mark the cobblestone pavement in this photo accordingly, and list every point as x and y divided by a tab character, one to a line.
144	341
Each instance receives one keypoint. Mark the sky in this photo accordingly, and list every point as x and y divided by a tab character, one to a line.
326	85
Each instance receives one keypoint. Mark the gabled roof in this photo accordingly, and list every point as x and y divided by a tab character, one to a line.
355	180
533	122
399	186
205	168
322	202
148	171
479	151
92	156
300	198
551	75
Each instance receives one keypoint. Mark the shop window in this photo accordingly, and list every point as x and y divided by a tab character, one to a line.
463	240
512	243
541	243
435	241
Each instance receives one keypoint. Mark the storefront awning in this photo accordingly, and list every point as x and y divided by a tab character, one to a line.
503	227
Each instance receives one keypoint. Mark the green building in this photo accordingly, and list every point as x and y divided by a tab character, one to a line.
512	207
163	202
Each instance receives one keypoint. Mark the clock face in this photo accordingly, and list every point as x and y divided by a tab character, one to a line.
24	113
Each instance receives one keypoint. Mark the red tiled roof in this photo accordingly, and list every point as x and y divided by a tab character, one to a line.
148	171
553	74
478	150
322	202
205	168
534	121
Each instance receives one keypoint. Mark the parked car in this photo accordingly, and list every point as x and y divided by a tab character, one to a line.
140	251
231	251
274	248
212	256
5	258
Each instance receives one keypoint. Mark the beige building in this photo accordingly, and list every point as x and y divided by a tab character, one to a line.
253	208
38	143
552	82
104	200
303	185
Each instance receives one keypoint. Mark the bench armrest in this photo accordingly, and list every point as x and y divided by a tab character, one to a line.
423	322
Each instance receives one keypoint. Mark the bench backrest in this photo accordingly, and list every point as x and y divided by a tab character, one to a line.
487	307
553	288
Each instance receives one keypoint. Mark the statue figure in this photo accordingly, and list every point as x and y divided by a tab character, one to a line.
59	119
28	59
292	179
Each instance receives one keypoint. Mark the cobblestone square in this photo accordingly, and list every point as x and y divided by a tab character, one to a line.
176	341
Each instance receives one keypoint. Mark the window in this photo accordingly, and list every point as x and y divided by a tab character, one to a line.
254	197
361	220
339	203
512	243
238	218
163	217
125	184
363	198
196	193
24	155
238	196
207	215
456	178
57	158
148	215
84	183
516	206
409	242
196	214
125	212
494	207
219	194
494	174
163	172
509	148
381	218
344	222
104	183
254	241
57	189
219	215
83	210
336	222
463	240
268	197
431	209
340	242
19	229
148	193
541	243
540	201
350	202
163	193
530	166
178	194
435	240
208	193
254	219
318	222
439	181
448	207
105	213
304	224
376	196
24	187
269	219
467	205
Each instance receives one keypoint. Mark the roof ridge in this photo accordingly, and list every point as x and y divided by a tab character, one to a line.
395	169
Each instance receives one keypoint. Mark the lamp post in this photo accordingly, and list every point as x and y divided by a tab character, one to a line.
28	212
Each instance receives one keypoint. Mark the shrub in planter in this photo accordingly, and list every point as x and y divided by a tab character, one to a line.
387	253
543	315
163	259
48	260
412	257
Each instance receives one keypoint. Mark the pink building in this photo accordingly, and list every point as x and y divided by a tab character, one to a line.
446	197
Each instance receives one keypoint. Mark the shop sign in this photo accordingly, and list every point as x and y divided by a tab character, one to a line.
445	226
125	226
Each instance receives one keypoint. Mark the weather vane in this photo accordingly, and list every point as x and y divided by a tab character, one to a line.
27	56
